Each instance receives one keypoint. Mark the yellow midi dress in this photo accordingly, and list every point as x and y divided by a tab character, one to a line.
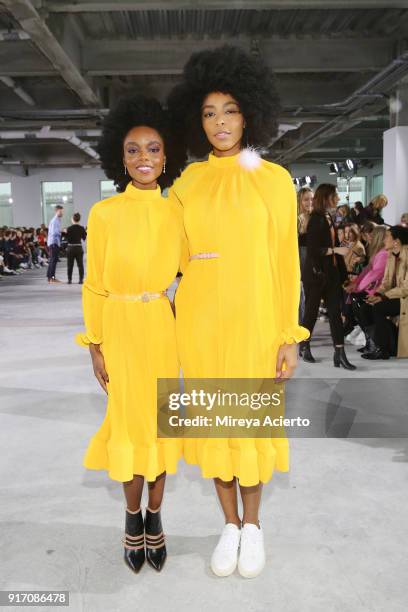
234	311
133	247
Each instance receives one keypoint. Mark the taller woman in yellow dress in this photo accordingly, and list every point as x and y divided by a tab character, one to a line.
133	257
237	303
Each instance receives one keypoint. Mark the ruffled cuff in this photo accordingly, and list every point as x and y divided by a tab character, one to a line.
294	334
83	339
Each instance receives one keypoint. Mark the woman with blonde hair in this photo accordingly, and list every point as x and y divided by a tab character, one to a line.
355	257
373	211
304	207
367	282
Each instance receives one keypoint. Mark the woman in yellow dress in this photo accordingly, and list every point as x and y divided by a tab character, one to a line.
237	303
133	257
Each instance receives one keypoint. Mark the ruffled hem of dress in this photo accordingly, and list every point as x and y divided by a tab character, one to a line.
251	464
294	335
84	340
122	462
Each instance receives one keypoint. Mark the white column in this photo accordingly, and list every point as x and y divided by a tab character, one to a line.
395	173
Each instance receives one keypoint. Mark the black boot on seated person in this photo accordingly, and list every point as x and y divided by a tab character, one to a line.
133	541
340	359
155	544
305	352
376	354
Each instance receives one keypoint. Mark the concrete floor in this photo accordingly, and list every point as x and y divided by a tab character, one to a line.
336	525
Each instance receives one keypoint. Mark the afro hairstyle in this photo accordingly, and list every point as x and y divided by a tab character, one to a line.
228	70
132	112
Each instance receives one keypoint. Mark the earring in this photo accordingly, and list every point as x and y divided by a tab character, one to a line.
164	167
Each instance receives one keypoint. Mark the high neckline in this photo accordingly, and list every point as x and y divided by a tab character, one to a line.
142	194
223	162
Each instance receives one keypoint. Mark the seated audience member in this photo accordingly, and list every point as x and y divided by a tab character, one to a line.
355	213
365	284
391	299
356	256
372	212
404	219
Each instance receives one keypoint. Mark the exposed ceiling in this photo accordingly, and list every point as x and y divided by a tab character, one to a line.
63	63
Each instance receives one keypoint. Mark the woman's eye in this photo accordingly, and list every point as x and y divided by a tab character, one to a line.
131	151
155	150
209	114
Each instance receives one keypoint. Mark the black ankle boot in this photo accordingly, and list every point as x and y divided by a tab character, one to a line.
155	545
134	541
306	353
340	359
370	347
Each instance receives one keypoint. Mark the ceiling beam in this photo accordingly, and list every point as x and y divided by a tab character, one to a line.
67	63
284	55
87	6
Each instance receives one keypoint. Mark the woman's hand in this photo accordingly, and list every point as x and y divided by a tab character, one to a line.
373	299
287	355
341	250
98	363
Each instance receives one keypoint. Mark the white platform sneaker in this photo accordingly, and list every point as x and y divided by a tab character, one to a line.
225	556
252	554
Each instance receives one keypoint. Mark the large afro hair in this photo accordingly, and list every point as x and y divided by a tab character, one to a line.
229	70
132	112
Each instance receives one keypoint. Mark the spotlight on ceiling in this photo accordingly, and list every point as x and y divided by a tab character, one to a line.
296	182
334	168
308	180
349	164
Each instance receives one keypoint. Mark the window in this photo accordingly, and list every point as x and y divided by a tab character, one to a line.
377	185
6	205
107	189
57	192
351	190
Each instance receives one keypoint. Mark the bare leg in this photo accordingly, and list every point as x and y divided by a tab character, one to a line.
133	490
227	494
251	500
156	490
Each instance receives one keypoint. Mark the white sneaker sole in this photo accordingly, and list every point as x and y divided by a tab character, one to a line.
222	573
250	574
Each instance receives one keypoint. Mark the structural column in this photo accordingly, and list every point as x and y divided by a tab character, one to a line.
396	157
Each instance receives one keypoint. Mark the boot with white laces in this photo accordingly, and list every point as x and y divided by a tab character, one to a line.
225	556
252	553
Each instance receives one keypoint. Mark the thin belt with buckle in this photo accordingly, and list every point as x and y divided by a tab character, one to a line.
146	296
205	256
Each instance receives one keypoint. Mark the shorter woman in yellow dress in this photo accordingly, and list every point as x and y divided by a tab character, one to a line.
133	257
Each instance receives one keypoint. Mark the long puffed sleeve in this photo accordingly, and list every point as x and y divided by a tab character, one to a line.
178	209
289	267
93	293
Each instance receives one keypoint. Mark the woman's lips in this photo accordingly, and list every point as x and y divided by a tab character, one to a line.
144	169
222	135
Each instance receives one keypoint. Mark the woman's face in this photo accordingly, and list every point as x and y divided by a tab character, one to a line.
388	241
340	234
347	233
143	156
307	202
223	123
332	202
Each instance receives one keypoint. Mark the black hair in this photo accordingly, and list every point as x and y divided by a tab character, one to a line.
76	217
398	232
133	112
58	207
228	70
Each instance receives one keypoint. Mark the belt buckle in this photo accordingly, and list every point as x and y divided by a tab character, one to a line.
145	297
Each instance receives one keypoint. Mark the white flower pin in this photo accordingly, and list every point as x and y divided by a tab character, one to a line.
249	158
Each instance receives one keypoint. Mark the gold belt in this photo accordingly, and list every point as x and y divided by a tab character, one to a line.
205	256
146	296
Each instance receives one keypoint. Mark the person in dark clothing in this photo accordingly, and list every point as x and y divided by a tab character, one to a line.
324	273
372	212
391	299
75	253
355	213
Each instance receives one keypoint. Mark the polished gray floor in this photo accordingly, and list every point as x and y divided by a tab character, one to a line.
336	525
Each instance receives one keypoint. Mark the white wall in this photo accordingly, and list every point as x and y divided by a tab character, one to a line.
26	191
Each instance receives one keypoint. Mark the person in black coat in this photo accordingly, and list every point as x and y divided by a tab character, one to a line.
324	273
75	234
